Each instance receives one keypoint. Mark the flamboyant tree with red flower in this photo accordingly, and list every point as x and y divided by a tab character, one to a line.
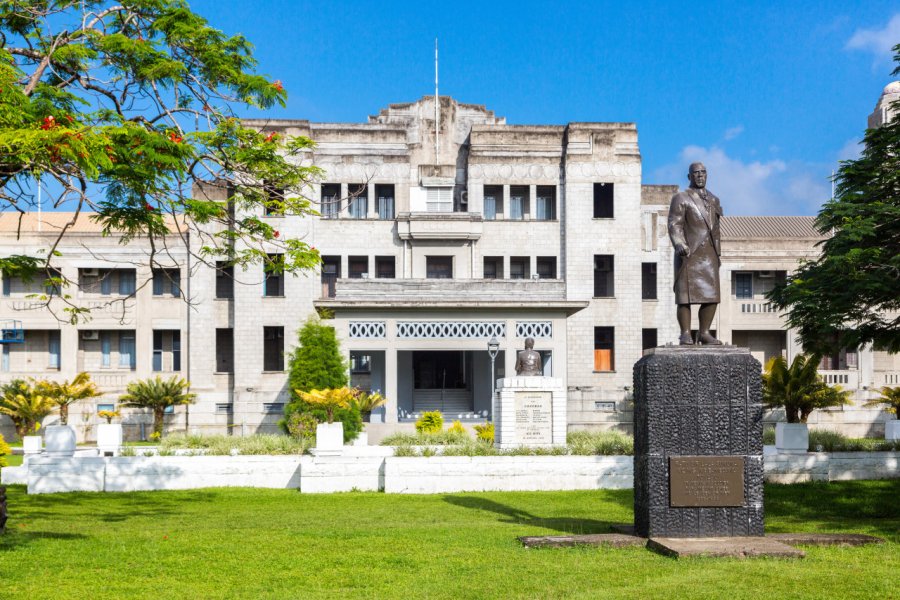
125	111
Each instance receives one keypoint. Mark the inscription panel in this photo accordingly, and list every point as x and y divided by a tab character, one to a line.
706	481
534	417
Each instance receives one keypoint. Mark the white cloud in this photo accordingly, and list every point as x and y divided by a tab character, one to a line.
772	187
733	132
851	150
877	41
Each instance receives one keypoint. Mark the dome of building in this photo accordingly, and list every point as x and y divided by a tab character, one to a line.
892	88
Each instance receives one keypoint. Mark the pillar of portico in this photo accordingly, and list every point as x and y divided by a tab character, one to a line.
390	385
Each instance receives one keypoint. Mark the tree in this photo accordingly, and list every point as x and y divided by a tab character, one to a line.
317	363
889	396
125	111
799	388
25	405
850	294
157	394
66	393
328	400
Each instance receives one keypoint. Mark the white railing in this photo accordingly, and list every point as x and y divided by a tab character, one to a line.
759	306
849	380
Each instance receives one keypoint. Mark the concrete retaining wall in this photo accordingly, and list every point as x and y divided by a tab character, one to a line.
400	475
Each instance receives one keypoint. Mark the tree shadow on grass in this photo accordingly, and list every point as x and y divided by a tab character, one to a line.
15	538
835	506
510	514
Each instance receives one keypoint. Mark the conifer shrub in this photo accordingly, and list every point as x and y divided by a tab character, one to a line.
457	428
5	451
485	433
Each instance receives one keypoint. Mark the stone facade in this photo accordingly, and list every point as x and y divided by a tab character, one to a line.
431	248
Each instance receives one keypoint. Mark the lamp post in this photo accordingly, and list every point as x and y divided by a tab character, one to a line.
493	349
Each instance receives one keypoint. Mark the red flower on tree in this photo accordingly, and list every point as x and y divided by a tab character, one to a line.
148	206
272	137
49	123
276	233
174	137
277	85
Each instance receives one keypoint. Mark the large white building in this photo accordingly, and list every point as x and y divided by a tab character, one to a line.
435	238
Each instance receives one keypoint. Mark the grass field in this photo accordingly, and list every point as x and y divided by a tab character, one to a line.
245	543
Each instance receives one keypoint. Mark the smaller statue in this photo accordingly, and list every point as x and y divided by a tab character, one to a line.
528	361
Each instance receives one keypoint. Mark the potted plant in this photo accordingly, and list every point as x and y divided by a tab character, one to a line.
109	434
329	435
799	389
27	407
60	439
366	402
891	397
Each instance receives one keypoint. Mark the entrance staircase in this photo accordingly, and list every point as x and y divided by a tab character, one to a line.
455	402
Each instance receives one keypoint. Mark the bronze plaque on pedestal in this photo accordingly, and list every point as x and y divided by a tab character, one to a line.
706	481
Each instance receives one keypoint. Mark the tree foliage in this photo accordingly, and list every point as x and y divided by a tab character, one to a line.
127	111
317	363
25	404
68	392
890	396
799	388
850	295
158	394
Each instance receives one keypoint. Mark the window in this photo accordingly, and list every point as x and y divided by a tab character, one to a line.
273	407
166	350
743	286
224	280
604	276
224	407
127	358
4	366
225	350
359	200
166	282
274	284
360	363
439	199
358	267
274	200
105	348
518	201
493	201
439	267
53	346
648	339
330	202
648	281
493	267
545	209
331	271
106	407
546	267
127	283
273	348
519	267
604	349
603	200
384	267
384	201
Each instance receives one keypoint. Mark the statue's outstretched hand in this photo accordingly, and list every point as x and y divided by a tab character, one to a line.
683	250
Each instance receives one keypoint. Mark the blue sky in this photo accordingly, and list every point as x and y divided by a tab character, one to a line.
769	95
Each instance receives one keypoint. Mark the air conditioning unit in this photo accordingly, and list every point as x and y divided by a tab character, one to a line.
90	272
766	274
90	335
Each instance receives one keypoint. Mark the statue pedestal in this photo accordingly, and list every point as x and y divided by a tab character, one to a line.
698	465
530	411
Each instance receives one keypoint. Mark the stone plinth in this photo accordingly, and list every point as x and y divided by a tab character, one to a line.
698	451
530	411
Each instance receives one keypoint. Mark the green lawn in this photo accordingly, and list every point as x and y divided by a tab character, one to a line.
14	460
245	543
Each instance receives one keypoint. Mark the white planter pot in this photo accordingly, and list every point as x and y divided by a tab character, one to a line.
31	444
892	429
109	438
792	438
59	441
330	437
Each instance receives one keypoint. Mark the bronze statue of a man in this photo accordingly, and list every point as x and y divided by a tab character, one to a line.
528	361
694	229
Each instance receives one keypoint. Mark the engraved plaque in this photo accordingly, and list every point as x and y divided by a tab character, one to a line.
534	417
706	481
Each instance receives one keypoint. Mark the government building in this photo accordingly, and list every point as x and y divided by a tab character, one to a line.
438	237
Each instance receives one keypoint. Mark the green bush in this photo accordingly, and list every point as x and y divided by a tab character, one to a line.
221	445
485	433
457	427
430	422
603	443
768	435
301	425
350	416
440	438
5	451
832	441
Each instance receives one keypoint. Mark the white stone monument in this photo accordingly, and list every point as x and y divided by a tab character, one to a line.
530	411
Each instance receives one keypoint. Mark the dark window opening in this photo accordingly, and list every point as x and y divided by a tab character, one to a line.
273	348
330	202
166	350
519	267
545	208
224	280
384	201
274	283
493	201
439	267
604	348
274	200
604	276
603	200
385	267
225	350
648	339
648	281
358	267
359	200
518	202
331	271
546	267
493	267
743	286
166	282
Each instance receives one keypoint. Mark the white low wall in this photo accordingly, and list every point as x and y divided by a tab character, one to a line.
436	474
400	475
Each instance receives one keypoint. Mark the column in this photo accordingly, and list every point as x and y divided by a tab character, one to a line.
371	210
391	388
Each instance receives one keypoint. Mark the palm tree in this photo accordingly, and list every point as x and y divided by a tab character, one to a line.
66	393
157	394
889	396
25	405
799	388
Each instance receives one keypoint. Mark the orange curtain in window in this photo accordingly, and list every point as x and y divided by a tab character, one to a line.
603	360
